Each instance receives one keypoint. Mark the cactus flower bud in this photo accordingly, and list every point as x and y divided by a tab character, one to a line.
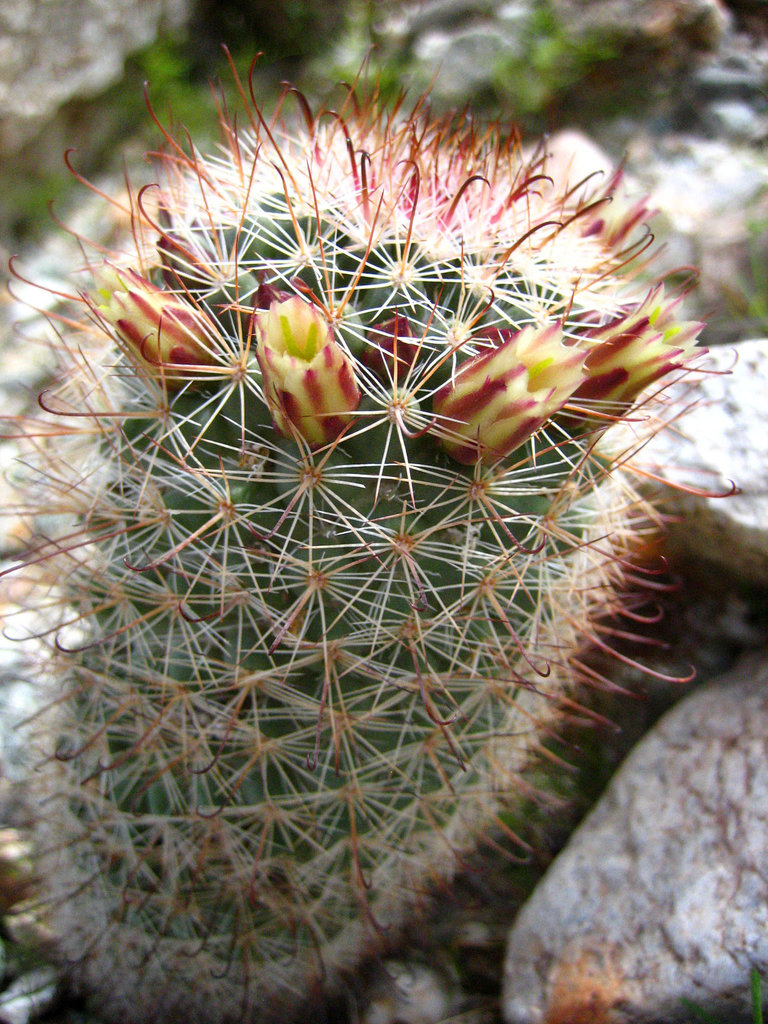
308	381
266	294
391	352
162	333
615	219
631	351
500	397
179	266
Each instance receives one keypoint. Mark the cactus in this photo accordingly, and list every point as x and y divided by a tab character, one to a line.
323	527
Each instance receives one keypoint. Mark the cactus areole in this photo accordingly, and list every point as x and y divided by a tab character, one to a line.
327	529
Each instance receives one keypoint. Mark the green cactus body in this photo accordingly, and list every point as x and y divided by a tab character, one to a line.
329	530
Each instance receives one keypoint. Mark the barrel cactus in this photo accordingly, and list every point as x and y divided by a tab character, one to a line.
324	522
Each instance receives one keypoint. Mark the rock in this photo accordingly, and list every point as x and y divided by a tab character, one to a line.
661	895
56	56
410	993
701	22
54	51
682	24
736	120
721	441
466	58
708	192
572	157
457	48
738	73
710	227
409	20
27	998
526	53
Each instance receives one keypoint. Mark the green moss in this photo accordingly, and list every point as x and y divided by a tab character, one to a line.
554	60
178	79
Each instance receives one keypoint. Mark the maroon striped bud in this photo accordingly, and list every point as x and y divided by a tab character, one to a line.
390	351
180	266
308	380
617	217
162	332
632	351
266	294
499	398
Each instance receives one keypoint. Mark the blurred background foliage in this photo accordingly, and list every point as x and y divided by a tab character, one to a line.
185	72
535	82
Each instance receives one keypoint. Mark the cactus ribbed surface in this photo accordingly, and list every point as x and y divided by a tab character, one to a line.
324	526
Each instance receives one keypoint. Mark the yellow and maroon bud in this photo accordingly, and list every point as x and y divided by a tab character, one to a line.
391	351
634	350
308	381
266	294
180	266
614	219
162	332
499	398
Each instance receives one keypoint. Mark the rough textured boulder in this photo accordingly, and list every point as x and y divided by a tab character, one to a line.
661	896
52	52
721	443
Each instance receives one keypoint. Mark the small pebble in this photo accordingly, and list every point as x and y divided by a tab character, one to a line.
30	996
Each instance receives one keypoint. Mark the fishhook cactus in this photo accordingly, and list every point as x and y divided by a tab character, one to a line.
324	525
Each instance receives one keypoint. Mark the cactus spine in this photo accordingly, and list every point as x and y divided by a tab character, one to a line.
330	527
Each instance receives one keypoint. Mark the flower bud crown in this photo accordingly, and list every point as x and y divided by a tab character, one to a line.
331	531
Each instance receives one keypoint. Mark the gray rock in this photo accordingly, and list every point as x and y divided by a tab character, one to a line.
410	993
737	120
455	47
721	441
735	76
479	48
661	895
708	193
466	58
409	20
692	143
29	996
51	52
650	23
